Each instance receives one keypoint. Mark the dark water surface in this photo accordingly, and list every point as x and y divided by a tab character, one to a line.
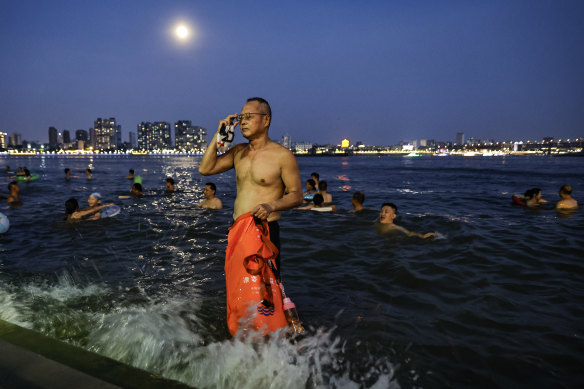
496	301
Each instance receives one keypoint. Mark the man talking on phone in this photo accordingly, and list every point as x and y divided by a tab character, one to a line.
268	180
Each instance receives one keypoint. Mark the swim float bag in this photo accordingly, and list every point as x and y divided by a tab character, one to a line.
110	211
254	299
309	197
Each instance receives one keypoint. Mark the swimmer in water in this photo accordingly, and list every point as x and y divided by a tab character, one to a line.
386	224
318	205
88	174
210	201
310	187
327	197
130	174
67	174
137	189
533	197
73	213
169	185
14	198
357	201
567	203
315	177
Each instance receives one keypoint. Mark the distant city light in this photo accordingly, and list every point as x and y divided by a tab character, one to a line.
345	143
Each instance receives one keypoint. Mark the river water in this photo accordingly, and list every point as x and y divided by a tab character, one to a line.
496	301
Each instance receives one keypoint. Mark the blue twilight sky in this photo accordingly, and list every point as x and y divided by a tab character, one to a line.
371	71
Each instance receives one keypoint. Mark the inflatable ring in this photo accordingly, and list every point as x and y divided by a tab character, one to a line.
309	197
519	200
32	177
4	223
110	211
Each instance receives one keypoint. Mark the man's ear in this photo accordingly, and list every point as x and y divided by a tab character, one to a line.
268	120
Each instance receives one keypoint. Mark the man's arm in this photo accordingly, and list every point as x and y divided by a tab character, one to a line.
211	163
293	197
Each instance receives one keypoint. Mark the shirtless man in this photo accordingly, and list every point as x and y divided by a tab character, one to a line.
386	224
14	198
210	201
263	168
267	175
567	202
268	182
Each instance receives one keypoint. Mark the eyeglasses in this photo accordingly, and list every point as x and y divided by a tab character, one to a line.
247	115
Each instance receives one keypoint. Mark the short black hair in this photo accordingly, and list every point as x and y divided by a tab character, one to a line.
391	205
213	187
137	186
566	189
67	170
88	170
71	206
264	103
169	179
359	197
131	171
11	184
531	193
318	199
315	174
311	182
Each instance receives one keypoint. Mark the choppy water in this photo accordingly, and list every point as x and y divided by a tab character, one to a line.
496	302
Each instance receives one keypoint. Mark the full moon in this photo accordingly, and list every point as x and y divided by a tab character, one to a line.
182	32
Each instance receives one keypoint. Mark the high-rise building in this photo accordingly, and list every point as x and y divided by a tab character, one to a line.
92	138
66	137
154	136
133	140
105	133
81	135
53	138
15	140
459	138
286	141
187	136
117	139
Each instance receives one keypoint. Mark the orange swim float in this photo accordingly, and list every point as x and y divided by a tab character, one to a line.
254	299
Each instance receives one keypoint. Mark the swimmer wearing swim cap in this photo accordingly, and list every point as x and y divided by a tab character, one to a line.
94	199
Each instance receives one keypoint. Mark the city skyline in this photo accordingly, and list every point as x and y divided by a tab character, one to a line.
378	73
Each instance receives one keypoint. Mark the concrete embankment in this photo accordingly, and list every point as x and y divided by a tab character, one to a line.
31	360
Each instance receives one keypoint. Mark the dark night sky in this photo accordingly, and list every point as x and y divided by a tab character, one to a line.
371	71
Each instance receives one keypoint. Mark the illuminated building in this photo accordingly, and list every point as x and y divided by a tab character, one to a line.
189	137
345	143
154	136
105	133
3	140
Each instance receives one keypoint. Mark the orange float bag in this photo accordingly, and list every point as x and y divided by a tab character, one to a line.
254	299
